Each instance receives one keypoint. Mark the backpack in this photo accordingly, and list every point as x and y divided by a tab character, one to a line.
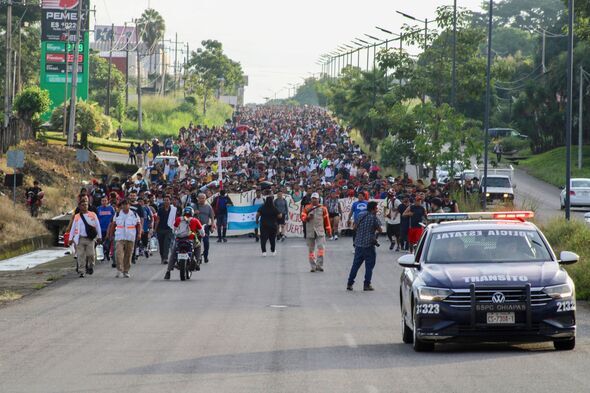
184	228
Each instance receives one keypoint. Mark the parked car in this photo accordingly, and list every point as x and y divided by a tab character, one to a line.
496	133
579	193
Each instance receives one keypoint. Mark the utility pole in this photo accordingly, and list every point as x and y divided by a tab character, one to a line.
108	108
73	97
568	131
175	62
580	118
544	68
126	68
163	66
487	110
454	72
65	115
139	110
7	89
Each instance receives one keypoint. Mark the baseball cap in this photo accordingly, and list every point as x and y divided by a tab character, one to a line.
315	195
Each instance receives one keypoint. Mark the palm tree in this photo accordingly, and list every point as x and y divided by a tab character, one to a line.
152	30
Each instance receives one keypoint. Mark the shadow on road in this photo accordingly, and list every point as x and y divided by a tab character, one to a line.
379	356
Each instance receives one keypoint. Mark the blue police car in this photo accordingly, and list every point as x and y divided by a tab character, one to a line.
486	277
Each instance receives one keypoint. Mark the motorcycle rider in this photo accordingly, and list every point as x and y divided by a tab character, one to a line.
186	227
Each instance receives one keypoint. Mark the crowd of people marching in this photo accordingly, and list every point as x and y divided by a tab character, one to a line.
281	152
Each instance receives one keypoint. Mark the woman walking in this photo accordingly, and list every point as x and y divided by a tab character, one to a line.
268	216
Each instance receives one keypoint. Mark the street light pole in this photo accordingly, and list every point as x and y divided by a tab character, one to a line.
108	108
487	110
581	118
568	131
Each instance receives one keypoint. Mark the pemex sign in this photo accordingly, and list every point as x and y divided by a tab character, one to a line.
59	19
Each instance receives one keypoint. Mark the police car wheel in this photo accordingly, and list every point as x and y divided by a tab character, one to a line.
419	345
565	345
407	334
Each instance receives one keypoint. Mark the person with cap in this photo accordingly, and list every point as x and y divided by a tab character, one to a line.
357	208
449	205
368	226
126	228
316	220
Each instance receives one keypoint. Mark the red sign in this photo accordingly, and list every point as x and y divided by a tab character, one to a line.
61	58
59	4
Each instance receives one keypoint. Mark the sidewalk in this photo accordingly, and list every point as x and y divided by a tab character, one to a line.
31	260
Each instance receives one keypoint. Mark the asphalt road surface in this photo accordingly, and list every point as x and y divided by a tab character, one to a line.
252	324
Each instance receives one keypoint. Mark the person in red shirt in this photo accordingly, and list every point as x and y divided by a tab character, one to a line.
186	227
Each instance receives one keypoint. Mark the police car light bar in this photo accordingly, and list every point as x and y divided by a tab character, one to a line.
516	215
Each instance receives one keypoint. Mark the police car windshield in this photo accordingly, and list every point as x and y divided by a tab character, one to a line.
484	246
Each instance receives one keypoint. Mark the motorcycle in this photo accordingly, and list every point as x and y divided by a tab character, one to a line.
186	260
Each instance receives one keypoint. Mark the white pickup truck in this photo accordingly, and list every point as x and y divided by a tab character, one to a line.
500	187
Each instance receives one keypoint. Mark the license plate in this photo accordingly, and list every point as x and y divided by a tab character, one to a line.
182	256
500	318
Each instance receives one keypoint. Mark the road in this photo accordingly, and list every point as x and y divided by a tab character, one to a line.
252	324
112	157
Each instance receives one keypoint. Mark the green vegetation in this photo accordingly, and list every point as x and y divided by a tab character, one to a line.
30	104
99	70
550	166
9	296
573	236
89	118
164	116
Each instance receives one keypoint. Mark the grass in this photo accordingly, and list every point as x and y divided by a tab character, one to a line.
573	236
550	166
9	296
17	224
164	116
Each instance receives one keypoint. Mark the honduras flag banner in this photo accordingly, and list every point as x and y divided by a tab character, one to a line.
241	218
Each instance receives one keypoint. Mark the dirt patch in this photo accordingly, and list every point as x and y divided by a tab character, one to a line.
60	175
16	285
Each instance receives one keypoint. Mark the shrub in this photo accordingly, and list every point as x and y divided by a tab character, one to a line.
89	117
513	143
573	236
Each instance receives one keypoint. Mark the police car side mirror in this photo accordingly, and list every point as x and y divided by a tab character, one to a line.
568	258
408	261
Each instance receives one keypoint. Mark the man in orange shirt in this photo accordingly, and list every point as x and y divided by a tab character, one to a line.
317	224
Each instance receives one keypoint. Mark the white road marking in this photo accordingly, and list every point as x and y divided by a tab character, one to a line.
350	341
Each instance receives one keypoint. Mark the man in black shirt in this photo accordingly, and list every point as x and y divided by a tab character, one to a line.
163	228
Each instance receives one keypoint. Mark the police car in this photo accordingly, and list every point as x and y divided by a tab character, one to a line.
486	277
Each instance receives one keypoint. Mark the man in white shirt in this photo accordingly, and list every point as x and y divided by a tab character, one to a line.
127	230
84	242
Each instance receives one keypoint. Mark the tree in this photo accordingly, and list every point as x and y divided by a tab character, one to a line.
30	104
89	118
99	79
152	27
210	69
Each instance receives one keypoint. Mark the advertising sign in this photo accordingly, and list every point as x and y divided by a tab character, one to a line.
61	58
58	31
103	34
60	47
58	24
61	68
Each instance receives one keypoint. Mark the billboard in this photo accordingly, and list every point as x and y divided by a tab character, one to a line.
120	34
58	38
